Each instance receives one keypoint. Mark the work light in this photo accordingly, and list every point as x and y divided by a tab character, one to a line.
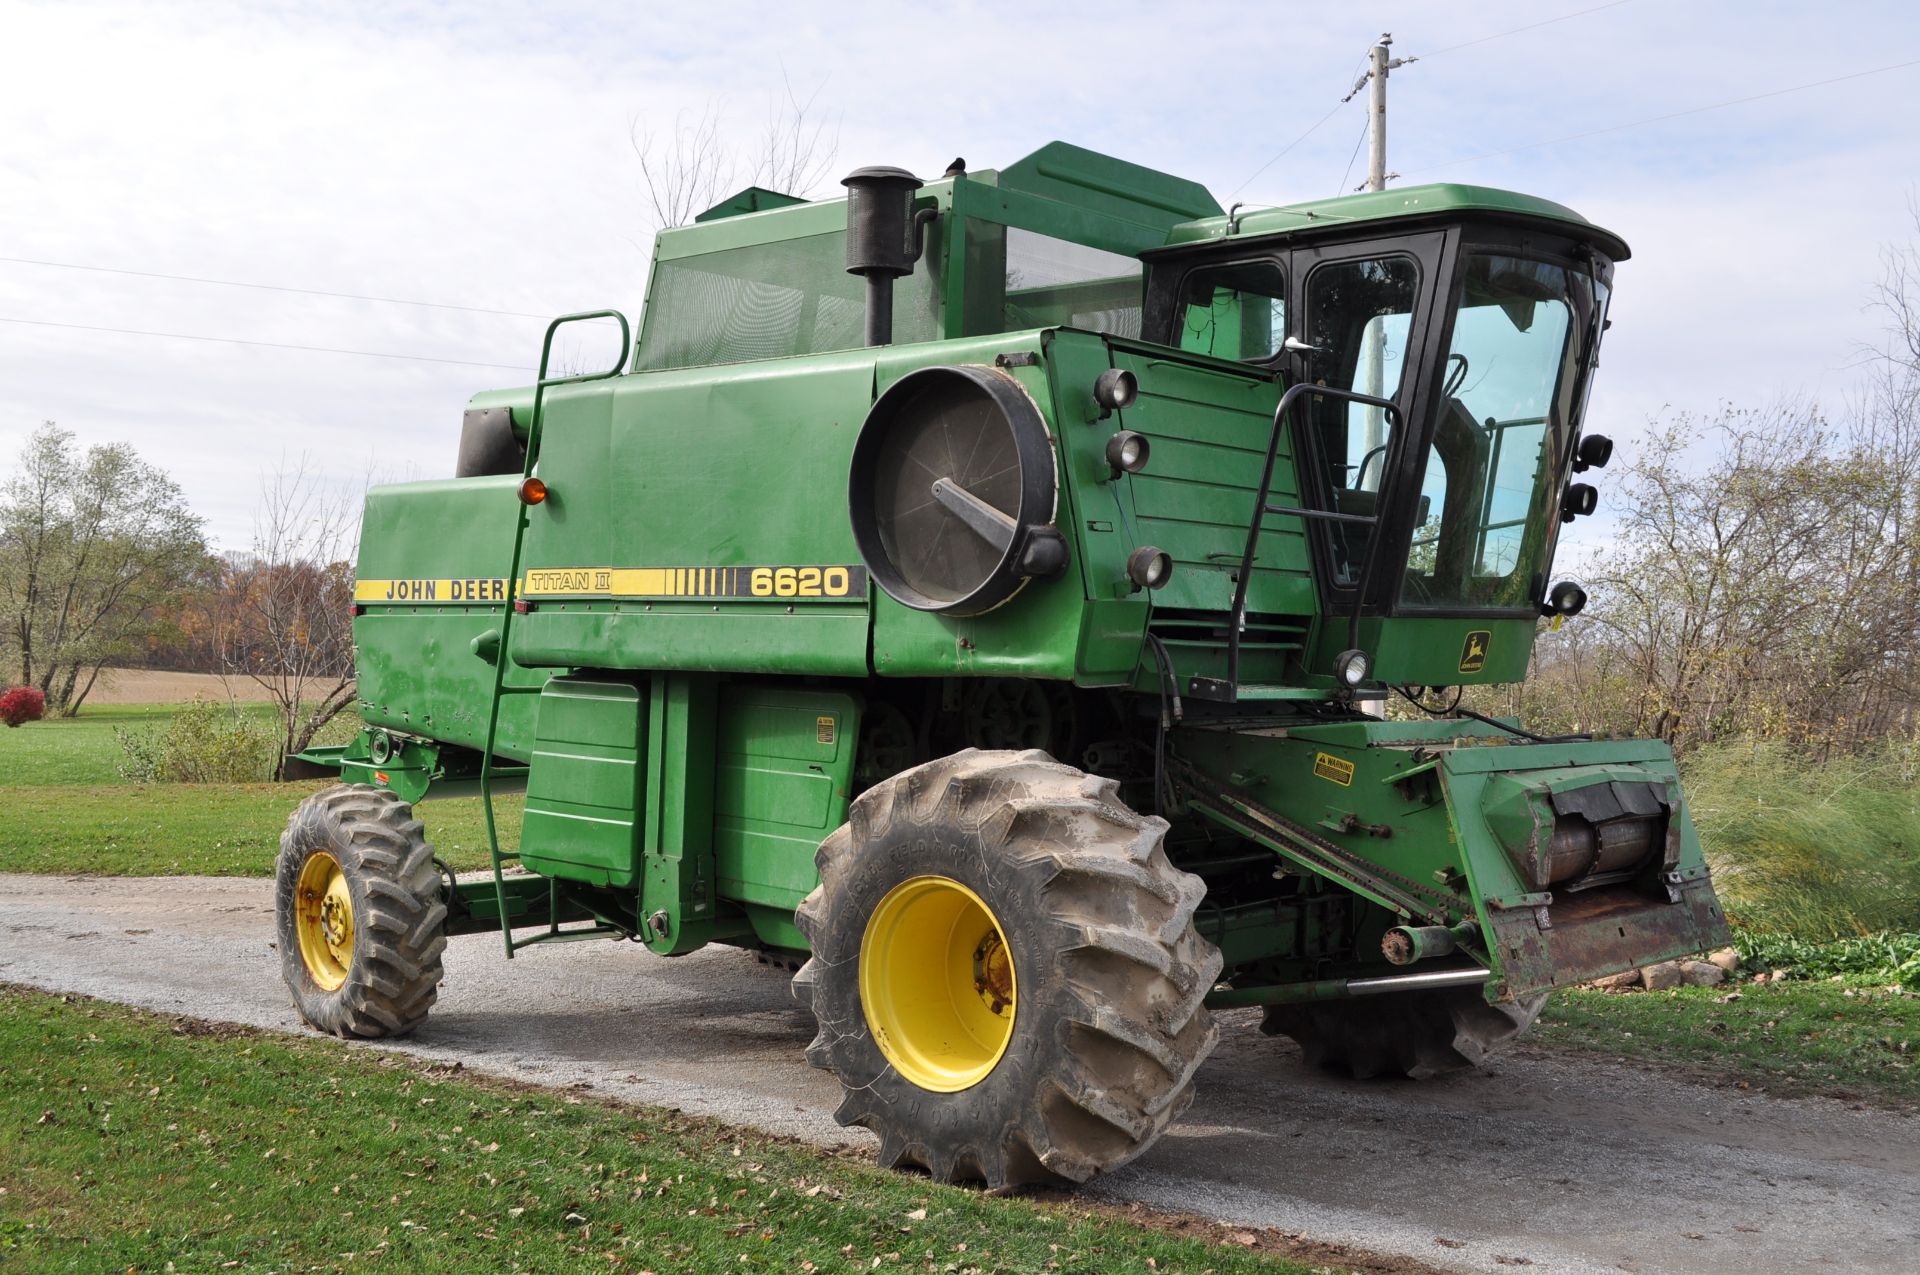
1114	390
1351	668
1127	452
1148	567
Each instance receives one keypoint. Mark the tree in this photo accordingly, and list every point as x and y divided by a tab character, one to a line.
1748	596
694	167
94	548
286	608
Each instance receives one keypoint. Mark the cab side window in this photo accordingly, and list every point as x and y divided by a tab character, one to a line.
1235	311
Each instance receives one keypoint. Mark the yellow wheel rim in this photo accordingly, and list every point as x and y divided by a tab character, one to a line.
323	917
937	983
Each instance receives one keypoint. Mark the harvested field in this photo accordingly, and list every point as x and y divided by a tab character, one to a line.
153	686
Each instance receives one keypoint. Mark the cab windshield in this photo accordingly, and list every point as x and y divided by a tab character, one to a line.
1490	483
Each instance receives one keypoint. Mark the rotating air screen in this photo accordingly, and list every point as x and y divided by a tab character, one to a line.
952	478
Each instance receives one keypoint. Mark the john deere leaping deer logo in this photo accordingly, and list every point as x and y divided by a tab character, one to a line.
1473	652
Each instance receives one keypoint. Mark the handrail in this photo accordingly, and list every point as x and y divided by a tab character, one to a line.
1229	689
508	608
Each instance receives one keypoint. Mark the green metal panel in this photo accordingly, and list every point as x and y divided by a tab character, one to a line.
678	898
783	763
761	482
1209	430
1439	651
752	199
1112	187
1441	199
583	787
1006	207
430	583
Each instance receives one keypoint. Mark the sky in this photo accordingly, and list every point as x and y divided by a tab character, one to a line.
478	155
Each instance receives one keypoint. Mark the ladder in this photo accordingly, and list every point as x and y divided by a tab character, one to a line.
516	605
1228	689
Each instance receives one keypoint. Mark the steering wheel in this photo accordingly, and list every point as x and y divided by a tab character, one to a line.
1360	471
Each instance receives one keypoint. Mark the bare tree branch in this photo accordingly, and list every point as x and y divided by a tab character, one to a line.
694	166
286	614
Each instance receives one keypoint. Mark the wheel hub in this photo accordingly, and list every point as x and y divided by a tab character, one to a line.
993	973
938	984
323	921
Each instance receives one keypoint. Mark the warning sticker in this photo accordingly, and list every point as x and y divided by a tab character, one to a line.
1337	769
824	731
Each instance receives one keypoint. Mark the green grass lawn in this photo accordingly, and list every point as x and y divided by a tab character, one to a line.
1843	1039
197	829
135	1142
76	750
65	808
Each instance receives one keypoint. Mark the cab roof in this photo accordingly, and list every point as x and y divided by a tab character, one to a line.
1439	200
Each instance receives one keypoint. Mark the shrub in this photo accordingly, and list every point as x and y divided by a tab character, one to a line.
23	704
204	743
1818	850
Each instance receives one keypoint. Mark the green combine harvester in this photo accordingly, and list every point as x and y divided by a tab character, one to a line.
980	594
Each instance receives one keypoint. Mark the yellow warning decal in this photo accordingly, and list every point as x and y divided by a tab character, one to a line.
1337	769
464	591
786	584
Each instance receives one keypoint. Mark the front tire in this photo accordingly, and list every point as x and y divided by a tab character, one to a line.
1005	971
359	914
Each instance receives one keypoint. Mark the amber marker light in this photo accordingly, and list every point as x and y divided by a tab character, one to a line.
532	491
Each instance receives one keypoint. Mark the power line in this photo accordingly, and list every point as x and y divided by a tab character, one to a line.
1288	147
269	345
1544	22
270	287
1358	143
1671	115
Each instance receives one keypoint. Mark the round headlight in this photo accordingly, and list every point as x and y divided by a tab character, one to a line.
1565	598
1580	500
1127	452
1594	452
951	487
1115	389
1351	668
1148	567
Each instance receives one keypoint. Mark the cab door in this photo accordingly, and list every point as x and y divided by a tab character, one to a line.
1364	317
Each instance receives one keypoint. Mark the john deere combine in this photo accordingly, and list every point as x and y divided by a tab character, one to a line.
977	590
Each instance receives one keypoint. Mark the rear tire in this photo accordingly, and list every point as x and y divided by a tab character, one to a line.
1086	959
1415	1034
359	913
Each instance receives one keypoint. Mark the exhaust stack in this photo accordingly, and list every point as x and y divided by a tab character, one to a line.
883	238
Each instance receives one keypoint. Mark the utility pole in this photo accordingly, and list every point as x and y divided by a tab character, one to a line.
1377	68
1379	63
